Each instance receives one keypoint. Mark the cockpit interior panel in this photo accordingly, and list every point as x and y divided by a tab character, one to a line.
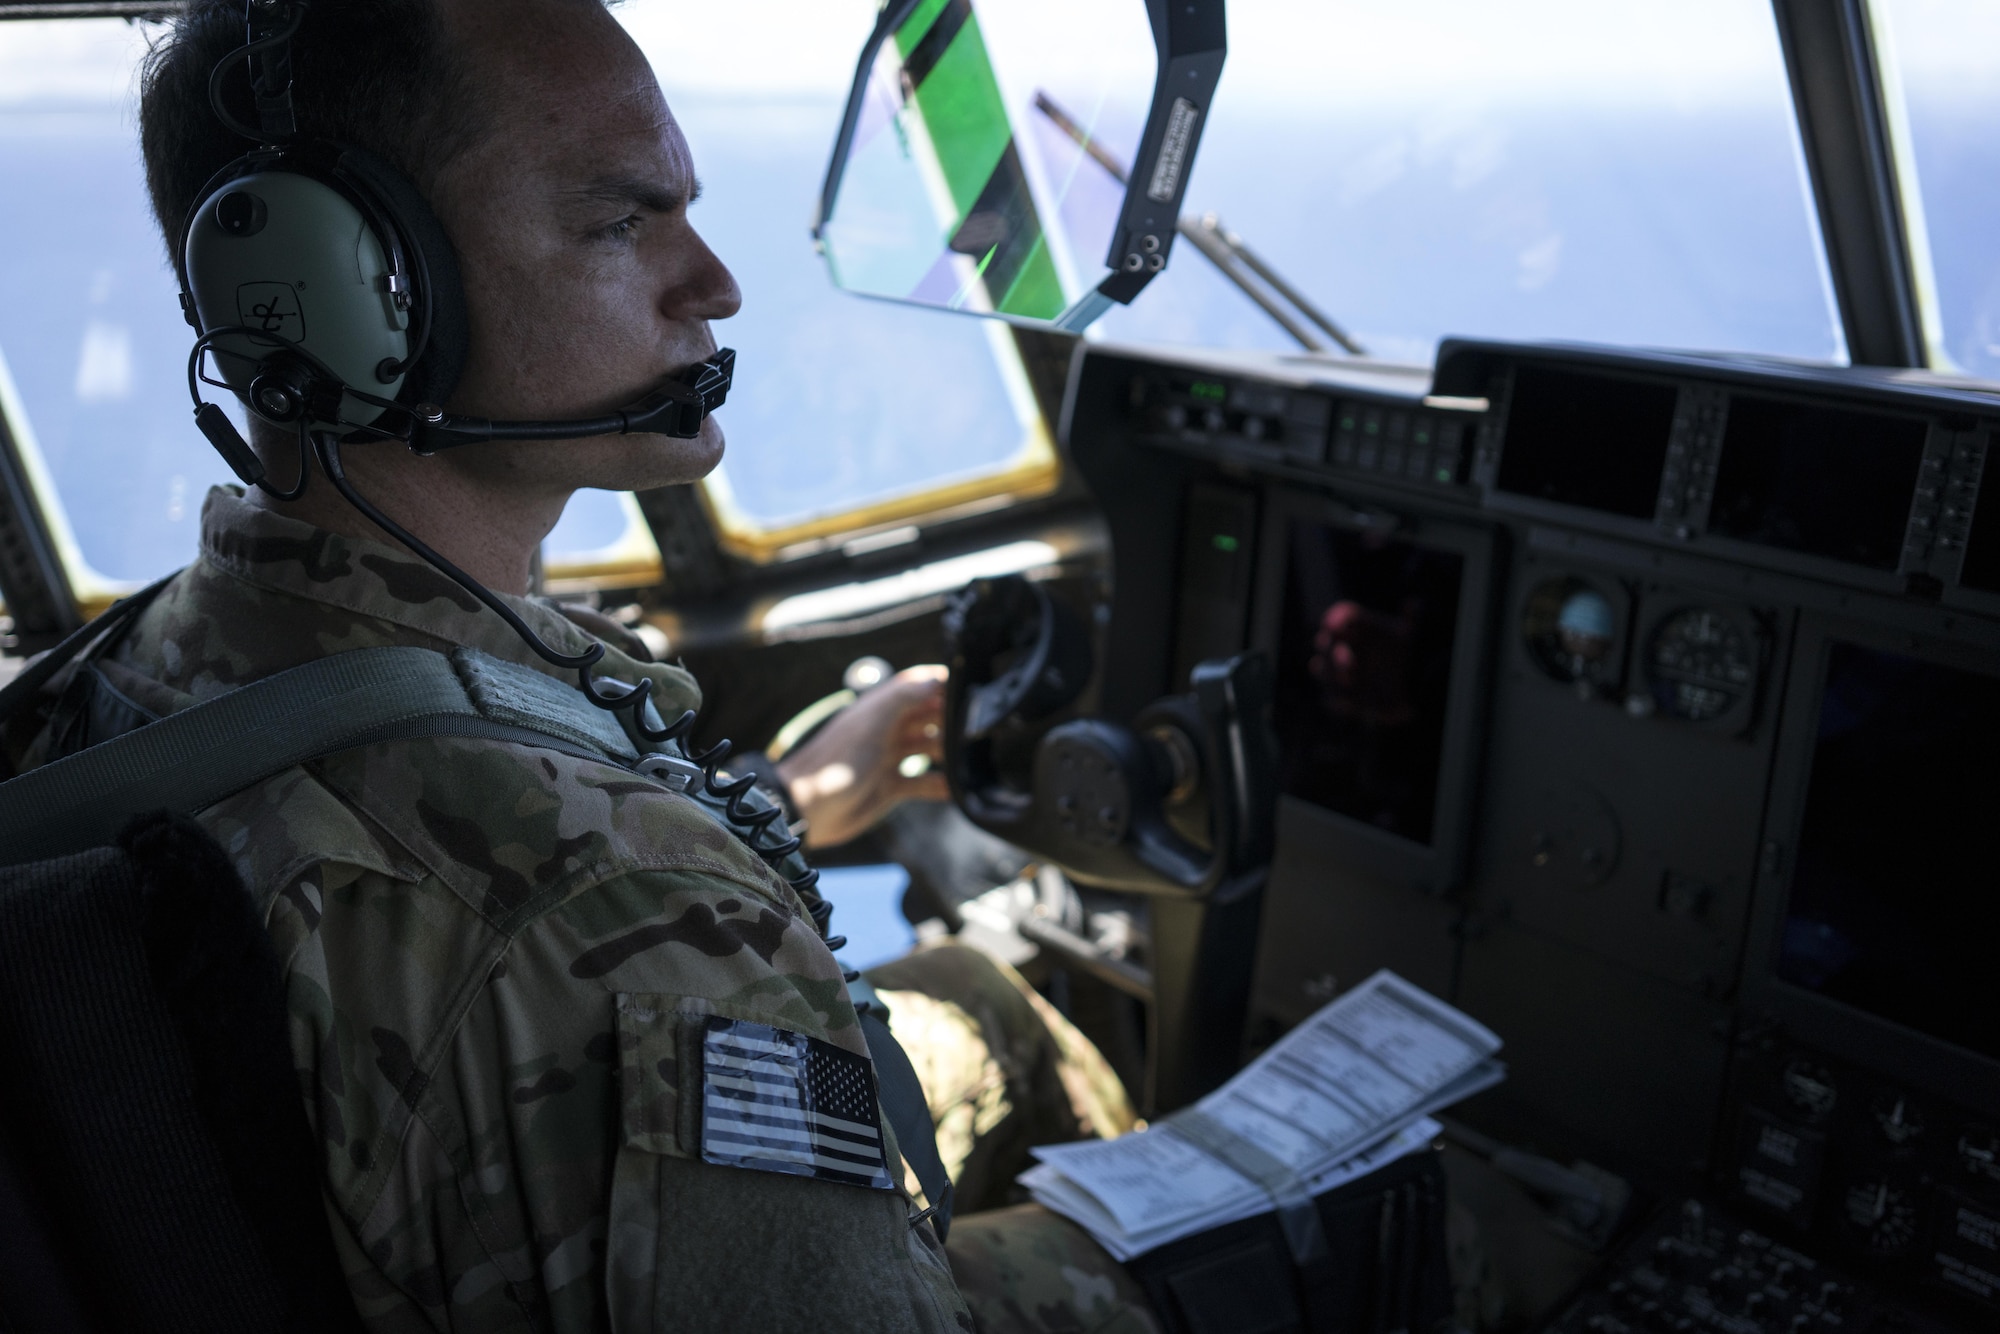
1643	706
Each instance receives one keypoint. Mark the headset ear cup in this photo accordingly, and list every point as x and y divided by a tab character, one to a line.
436	373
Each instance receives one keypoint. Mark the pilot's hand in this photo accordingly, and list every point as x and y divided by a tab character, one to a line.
852	772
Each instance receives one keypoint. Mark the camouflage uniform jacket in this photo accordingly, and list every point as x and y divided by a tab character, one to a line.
491	951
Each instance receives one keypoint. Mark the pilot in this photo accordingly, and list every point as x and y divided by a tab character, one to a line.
496	956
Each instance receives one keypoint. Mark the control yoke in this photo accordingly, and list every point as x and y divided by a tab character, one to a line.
1179	804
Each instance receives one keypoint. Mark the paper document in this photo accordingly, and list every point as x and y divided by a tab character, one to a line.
1345	1092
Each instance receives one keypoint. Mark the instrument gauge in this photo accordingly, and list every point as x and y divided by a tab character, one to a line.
1573	632
1880	1217
1979	1152
1702	664
1809	1088
1897	1118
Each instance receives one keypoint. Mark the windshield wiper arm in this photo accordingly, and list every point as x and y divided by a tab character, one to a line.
1248	271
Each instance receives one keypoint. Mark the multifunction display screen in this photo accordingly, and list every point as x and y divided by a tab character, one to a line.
1364	672
1587	440
1894	908
1817	480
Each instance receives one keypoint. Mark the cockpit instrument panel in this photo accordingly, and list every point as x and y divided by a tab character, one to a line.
1638	703
1747	460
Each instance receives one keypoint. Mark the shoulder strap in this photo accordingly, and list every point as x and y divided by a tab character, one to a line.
192	759
903	1102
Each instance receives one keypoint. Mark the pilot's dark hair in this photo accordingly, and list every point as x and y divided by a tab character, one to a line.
383	75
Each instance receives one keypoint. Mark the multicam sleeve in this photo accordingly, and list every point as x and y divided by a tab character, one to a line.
552	1169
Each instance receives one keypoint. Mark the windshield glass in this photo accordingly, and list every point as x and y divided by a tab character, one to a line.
1943	58
91	334
840	405
1529	169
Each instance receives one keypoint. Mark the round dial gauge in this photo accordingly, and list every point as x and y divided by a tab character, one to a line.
1702	664
1897	1118
1809	1088
1571	631
1880	1216
1979	1152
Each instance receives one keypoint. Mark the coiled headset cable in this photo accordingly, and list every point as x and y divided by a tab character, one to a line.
752	821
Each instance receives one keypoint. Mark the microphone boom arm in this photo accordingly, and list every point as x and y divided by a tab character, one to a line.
676	409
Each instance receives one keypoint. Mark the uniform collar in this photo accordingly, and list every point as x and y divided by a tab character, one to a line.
283	555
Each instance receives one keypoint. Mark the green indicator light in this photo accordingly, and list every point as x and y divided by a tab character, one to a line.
1224	542
1444	474
1203	389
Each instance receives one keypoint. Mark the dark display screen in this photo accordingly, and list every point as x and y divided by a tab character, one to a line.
1894	907
1587	440
1982	547
1817	480
1364	671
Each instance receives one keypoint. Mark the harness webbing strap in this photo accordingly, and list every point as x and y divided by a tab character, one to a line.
902	1095
190	760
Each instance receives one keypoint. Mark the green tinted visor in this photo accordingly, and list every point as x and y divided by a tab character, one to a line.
986	160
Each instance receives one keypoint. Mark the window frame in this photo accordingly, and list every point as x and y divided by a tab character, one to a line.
1854	135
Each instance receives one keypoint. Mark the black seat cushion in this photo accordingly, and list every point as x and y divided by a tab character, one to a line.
150	1108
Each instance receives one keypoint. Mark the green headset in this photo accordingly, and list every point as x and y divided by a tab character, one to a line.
326	294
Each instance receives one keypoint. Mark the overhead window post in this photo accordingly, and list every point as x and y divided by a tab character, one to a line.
1844	130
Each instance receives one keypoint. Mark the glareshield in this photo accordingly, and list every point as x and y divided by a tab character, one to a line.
984	161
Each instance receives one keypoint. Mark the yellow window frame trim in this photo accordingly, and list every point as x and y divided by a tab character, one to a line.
1035	471
634	560
92	591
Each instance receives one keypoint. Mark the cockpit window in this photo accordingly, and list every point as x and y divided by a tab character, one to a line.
1535	168
92	343
1942	59
1506	168
846	412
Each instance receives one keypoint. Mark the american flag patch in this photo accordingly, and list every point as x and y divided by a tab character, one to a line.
779	1101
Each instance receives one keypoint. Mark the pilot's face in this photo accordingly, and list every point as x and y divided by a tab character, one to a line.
585	283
